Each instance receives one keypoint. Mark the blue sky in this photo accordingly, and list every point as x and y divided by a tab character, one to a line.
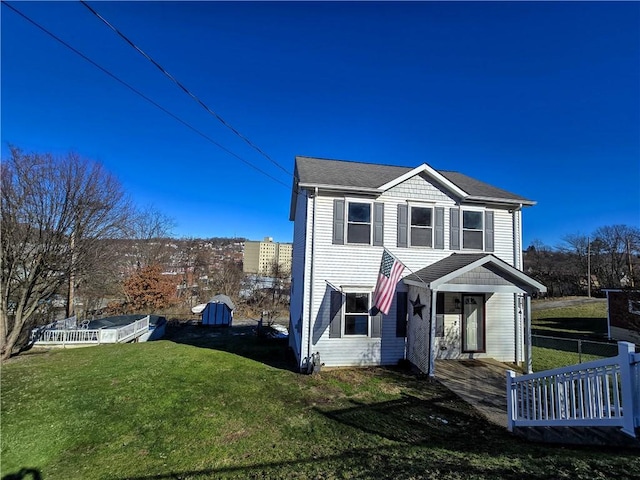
539	98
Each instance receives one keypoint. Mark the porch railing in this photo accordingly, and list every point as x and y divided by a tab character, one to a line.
82	336
600	393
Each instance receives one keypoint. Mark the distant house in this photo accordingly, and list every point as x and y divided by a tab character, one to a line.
462	295
623	314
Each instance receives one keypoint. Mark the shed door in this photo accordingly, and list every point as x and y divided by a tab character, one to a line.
473	324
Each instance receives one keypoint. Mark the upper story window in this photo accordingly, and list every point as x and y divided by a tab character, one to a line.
359	222
421	226
356	314
472	230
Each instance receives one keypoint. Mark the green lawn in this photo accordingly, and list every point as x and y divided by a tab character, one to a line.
548	359
587	320
193	408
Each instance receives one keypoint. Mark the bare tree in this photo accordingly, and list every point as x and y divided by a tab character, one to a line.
149	231
55	215
269	294
227	278
614	245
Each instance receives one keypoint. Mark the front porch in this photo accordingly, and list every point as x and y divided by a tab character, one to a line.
469	306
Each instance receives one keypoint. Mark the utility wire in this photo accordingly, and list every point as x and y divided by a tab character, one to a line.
137	92
183	88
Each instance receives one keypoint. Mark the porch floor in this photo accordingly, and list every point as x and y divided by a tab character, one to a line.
481	383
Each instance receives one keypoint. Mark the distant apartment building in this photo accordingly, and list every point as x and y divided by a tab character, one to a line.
259	257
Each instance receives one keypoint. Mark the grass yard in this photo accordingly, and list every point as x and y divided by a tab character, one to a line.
211	404
548	359
585	320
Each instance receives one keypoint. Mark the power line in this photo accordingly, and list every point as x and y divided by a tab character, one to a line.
182	87
137	92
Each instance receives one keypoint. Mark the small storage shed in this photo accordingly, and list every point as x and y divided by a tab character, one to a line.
219	311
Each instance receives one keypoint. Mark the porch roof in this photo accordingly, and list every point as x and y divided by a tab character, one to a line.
473	272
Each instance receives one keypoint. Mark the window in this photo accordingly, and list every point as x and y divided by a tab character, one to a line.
472	230
356	314
421	232
359	223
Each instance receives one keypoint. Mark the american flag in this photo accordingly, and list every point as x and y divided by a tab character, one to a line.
390	271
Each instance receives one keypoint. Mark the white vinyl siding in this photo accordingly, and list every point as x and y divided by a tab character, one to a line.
298	280
503	236
499	332
500	327
358	265
344	266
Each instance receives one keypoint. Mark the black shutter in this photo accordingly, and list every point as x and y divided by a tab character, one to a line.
401	314
439	240
403	220
378	224
488	231
338	222
376	325
335	327
454	229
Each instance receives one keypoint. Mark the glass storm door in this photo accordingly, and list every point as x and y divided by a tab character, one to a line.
473	324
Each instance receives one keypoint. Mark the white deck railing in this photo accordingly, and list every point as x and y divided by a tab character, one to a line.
600	393
94	336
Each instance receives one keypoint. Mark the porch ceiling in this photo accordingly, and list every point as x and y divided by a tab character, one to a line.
480	272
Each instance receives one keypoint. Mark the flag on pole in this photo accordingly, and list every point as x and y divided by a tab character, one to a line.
390	271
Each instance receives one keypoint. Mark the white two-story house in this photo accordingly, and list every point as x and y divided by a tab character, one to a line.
462	294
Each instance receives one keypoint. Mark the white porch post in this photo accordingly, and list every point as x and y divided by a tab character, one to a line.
432	334
527	327
511	400
626	353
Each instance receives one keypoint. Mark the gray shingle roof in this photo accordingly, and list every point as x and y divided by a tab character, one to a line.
340	173
443	267
436	273
320	171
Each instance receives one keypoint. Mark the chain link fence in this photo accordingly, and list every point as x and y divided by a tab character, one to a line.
584	350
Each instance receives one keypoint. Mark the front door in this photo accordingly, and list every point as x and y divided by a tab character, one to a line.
473	324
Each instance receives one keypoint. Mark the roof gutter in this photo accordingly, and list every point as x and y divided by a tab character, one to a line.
505	201
346	188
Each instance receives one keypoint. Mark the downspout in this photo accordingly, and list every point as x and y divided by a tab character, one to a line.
518	307
517	238
314	196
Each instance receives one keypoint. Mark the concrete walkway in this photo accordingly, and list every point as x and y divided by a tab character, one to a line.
481	383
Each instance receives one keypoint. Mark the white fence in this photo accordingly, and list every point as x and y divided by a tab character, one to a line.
600	393
81	336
